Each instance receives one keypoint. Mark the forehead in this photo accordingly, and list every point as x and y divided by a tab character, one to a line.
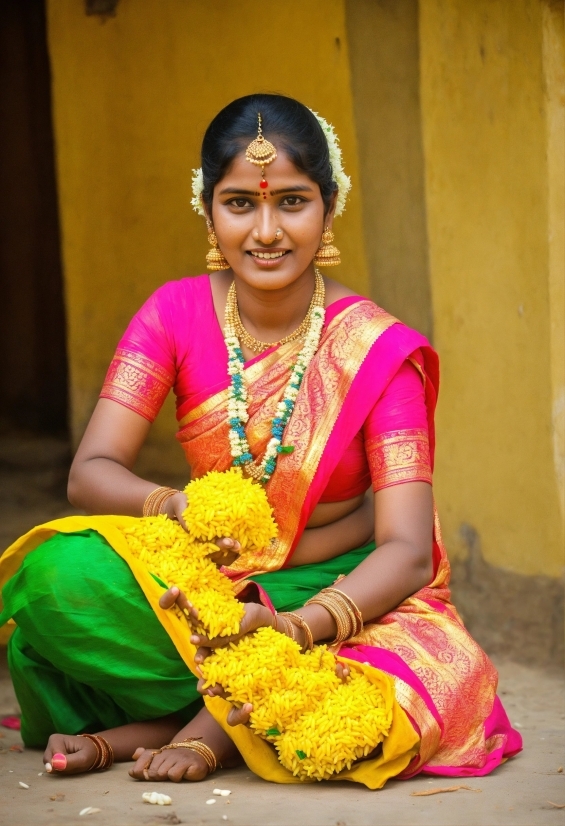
280	173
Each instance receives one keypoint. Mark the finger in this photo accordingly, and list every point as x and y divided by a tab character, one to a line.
79	761
226	543
202	654
223	558
59	762
56	743
211	690
214	642
144	757
342	671
240	716
180	518
168	599
137	753
160	766
186	605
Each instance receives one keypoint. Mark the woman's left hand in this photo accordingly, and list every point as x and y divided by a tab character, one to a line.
255	616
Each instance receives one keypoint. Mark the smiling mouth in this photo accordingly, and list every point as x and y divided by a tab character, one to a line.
268	255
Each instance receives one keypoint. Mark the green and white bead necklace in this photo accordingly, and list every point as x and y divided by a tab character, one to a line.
238	414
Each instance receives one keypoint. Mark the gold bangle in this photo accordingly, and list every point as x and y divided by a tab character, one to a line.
301	622
104	752
352	607
194	744
340	615
154	502
289	627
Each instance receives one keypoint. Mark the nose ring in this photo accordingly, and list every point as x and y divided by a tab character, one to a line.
278	234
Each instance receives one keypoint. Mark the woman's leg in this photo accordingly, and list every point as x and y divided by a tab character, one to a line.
87	633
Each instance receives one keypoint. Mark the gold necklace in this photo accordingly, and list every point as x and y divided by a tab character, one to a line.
233	319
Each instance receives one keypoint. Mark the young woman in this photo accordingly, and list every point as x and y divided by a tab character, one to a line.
353	499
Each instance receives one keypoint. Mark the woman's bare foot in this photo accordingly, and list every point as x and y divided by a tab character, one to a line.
184	763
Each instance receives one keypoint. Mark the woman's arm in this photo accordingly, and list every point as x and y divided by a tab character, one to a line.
400	565
101	480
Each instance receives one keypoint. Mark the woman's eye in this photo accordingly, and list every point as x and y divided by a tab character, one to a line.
240	203
291	200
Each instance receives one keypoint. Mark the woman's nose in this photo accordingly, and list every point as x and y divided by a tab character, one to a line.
267	232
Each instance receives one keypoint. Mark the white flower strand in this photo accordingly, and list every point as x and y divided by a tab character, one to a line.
197	190
237	407
342	180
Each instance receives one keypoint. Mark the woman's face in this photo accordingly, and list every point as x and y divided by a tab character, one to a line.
246	219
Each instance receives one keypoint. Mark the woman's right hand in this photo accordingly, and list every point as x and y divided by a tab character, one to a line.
80	754
228	549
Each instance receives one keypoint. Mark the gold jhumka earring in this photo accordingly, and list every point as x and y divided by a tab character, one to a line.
327	255
215	257
261	152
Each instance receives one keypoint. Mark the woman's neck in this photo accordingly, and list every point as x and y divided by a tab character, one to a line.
270	315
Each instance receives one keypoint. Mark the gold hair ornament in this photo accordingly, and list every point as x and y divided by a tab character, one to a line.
261	152
342	180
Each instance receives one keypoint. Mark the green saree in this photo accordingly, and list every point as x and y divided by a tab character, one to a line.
69	598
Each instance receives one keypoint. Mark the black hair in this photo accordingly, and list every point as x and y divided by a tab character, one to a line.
286	122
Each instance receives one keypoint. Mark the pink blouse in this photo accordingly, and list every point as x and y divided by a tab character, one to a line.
175	341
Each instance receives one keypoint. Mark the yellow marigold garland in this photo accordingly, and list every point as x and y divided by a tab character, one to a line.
318	724
229	504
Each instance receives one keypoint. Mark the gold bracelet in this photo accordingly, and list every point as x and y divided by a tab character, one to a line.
104	752
352	607
154	502
301	622
288	626
340	615
194	744
342	608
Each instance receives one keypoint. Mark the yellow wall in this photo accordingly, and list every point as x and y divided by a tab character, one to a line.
385	78
487	159
132	97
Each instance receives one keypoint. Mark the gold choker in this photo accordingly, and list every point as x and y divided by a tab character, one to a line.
233	319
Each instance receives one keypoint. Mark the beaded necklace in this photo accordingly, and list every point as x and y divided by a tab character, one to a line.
238	414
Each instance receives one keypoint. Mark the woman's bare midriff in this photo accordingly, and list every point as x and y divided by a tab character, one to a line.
335	528
328	512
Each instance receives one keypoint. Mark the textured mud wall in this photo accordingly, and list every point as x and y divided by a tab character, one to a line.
485	84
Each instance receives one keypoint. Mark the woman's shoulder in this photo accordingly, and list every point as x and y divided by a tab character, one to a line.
188	287
363	311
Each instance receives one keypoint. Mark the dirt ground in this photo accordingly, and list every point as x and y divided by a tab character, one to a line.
526	791
520	793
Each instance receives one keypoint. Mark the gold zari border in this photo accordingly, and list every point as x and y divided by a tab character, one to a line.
399	456
137	382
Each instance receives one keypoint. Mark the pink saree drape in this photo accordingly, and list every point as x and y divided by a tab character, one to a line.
443	680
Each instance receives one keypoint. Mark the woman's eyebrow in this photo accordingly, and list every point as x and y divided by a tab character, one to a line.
233	190
297	188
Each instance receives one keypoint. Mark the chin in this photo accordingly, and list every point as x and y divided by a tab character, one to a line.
272	277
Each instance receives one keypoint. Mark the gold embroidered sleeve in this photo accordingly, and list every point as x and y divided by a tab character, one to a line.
137	382
399	456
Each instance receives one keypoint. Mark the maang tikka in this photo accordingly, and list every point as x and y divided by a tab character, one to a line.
261	152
